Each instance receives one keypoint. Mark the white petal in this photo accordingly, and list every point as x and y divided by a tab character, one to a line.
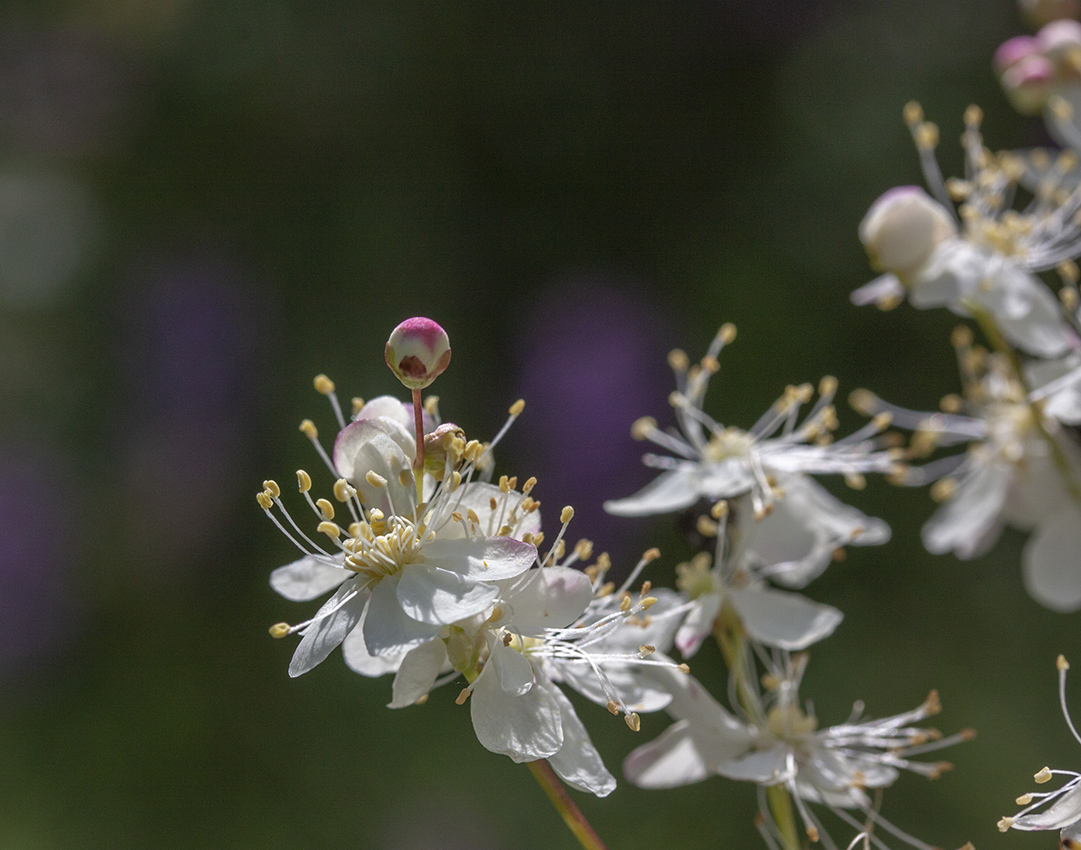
419	670
354	436
670	491
885	289
552	597
784	620
322	636
691	701
726	479
513	670
478	495
1064	404
388	407
1026	311
382	455
481	558
525	728
1052	560
307	578
356	655
953	272
670	760
699	623
968	522
432	595
578	763
763	767
387	628
1065	811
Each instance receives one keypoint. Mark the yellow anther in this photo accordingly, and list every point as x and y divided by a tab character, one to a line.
1044	775
463	695
455	481
325	508
583	549
651	554
642	428
1068	271
646	649
683	668
1024	800
625	604
812	833
504	531
711	365
634	722
566	515
719	509
375	515
343	491
530	483
943	489
504	484
612	707
973	116
330	529
678	360
271	487
472	516
604	563
863	401
323	385
304	481
707	527
951	403
1060	108
1061	663
308	429
1004	824
727	333
405	478
1069	297
356	405
431	405
512	482
648	602
493	504
517	408
913	113
855	480
264	500
279	630
647	585
926	136
538	538
827	386
375	479
932	705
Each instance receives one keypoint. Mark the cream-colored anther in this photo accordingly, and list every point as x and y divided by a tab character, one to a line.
711	365
504	484
325	508
719	510
882	420
264	500
1061	664
463	695
727	333
517	408
943	489
683	668
651	554
827	386
863	401
1068	271
1069	297
951	403
973	116
706	527
343	490
512	482
566	515
634	722
933	704
645	649
648	602
913	113
431	405
642	428
330	529
1004	824
1060	108
323	385
271	487
1044	775
279	630
455	481
612	707
472	516
375	515
405	478
308	429
625	604
855	480
530	483
926	135
538	538
1024	800
812	832
356	404
583	549
678	360
304	481
375	479
961	336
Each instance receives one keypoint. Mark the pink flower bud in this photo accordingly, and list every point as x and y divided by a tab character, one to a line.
1060	40
902	228
417	352
1028	84
1014	50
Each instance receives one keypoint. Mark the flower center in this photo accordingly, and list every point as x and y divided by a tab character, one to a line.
376	550
731	442
789	723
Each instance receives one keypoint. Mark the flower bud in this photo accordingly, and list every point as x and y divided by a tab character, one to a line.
438	444
417	352
902	228
1028	83
1014	50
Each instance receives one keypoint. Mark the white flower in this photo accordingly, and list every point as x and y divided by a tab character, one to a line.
1061	808
404	568
830	767
988	265
710	461
1019	469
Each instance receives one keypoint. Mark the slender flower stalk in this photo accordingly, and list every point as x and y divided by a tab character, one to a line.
572	815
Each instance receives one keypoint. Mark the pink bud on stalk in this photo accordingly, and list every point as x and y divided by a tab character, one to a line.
417	352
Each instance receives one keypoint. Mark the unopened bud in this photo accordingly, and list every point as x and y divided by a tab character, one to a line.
417	352
902	228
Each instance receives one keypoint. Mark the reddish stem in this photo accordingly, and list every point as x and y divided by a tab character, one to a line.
572	815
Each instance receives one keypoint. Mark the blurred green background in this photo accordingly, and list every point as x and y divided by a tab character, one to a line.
204	204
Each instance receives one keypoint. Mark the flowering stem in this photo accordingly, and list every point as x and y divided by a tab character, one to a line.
418	462
572	815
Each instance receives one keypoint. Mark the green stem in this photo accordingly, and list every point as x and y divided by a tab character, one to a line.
572	815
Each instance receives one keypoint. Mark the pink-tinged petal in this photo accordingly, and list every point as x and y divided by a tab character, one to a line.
699	624
388	407
763	767
440	597
481	558
513	670
784	620
419	670
525	728
578	763
354	436
552	597
360	660
307	578
669	491
387	628
1052	561
670	760
322	636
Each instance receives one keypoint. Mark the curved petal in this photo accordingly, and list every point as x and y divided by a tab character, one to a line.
333	621
440	597
387	628
670	491
552	597
1065	811
352	438
360	660
578	763
478	496
1052	561
481	558
307	578
672	759
968	523
385	457
513	670
387	407
699	623
419	670
763	767
784	620
525	728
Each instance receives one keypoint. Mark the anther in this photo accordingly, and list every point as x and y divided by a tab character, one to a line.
356	404
323	385
932	705
583	549
634	722
707	527
913	113
648	602
642	428
431	405
471	515
683	668
1004	824
271	487
308	429
264	500
973	116
1042	776
566	515
719	510
651	554
325	508
827	386
951	403
463	695
1061	664
517	408
405	478
711	365
375	479
1024	800
727	333
646	649
343	491
530	483
882	420
279	630
678	360
612	707
812	833
863	401
625	604
1060	108
304	481
961	337
330	529
855	480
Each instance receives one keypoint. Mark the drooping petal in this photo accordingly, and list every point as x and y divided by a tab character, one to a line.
440	597
525	728
481	558
552	597
699	623
419	670
782	619
334	620
387	628
1052	560
578	763
672	759
360	660
307	578
670	491
513	670
763	767
968	522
